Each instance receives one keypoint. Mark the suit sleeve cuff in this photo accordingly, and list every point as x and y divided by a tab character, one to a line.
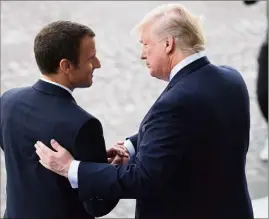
73	174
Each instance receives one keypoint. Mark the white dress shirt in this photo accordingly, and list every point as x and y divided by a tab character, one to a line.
73	170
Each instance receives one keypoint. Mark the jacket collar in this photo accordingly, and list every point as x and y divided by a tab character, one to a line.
52	89
188	69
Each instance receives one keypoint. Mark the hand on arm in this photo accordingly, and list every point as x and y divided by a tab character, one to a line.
59	161
123	152
89	145
118	154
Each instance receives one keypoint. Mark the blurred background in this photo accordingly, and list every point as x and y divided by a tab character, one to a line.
123	90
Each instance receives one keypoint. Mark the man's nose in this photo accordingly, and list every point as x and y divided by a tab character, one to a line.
143	56
98	64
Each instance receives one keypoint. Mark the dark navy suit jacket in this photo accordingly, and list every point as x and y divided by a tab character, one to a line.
190	151
42	112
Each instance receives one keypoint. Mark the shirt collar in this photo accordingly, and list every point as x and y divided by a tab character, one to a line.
185	62
57	84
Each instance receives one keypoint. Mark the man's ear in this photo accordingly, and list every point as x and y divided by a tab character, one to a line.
170	44
65	66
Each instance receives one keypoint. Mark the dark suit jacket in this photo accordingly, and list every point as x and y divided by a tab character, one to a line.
42	112
190	151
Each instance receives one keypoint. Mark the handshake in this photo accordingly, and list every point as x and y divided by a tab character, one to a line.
118	154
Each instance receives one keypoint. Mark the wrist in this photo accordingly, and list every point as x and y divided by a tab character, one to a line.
66	169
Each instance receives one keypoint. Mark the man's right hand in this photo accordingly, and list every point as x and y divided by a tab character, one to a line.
118	154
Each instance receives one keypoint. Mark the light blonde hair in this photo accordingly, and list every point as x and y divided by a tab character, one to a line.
175	20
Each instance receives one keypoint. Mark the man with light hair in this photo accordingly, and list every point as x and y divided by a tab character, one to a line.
176	21
188	158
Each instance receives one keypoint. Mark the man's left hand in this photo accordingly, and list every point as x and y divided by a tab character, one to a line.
118	154
57	161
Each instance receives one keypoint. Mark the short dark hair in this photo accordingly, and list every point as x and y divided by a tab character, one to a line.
59	40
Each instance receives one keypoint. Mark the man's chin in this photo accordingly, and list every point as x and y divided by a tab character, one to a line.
157	77
88	85
85	85
153	75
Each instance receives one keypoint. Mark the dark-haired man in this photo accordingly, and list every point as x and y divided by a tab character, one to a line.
66	56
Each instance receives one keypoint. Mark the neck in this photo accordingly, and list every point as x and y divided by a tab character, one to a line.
57	79
178	58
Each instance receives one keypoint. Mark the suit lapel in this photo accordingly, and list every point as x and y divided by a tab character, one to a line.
148	113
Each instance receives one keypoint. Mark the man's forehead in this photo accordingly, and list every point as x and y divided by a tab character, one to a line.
145	33
89	41
145	38
88	46
142	37
92	42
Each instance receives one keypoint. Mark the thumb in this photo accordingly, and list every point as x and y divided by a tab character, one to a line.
109	160
55	145
117	160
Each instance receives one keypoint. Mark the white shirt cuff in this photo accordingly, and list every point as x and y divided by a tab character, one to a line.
73	174
130	147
